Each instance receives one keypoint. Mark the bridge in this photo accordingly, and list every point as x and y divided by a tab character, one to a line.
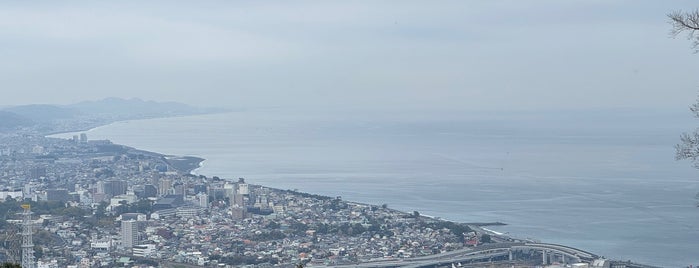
565	252
486	253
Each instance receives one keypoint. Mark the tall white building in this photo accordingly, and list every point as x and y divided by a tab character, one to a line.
164	187
129	233
203	200
243	189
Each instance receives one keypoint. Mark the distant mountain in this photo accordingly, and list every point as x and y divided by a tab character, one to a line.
137	108
43	112
10	121
46	118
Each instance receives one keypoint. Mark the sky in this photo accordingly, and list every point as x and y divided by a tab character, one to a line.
477	55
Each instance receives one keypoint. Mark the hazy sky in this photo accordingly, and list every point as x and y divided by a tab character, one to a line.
510	55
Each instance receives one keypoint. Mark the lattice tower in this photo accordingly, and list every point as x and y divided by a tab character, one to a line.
27	245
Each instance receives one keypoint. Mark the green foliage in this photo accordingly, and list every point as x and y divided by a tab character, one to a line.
307	195
272	225
347	229
47	207
485	238
101	210
271	235
458	229
9	208
100	217
73	212
242	260
356	229
141	206
104	173
38	252
298	227
43	237
10	265
335	204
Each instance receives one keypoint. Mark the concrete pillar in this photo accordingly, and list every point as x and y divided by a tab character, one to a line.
510	253
544	259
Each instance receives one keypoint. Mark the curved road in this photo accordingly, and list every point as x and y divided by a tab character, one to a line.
484	252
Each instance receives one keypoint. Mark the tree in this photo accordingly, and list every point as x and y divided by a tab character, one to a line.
681	22
10	265
688	148
686	22
485	238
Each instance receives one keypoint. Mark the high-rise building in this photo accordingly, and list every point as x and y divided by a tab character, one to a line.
99	188
203	200
237	212
27	191
115	187
83	137
200	188
243	187
149	190
180	188
57	195
129	233
229	190
239	199
164	187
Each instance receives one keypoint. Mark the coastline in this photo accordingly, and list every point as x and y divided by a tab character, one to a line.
191	164
184	164
187	164
109	122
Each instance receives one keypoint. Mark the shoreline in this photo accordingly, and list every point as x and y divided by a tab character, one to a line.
109	122
185	164
190	164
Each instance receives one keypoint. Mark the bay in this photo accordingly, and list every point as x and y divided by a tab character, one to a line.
603	182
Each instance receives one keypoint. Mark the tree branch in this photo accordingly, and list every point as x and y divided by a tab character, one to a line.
686	21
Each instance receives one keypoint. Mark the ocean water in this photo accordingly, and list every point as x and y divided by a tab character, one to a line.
606	182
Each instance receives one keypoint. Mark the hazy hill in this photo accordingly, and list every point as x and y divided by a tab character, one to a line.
137	108
46	118
9	121
43	112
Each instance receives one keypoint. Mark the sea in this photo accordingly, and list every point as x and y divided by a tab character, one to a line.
605	181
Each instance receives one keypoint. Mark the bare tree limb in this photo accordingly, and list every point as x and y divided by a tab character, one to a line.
686	22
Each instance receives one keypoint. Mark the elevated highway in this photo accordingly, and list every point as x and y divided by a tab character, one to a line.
485	253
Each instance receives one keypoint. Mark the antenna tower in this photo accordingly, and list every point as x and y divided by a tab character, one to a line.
27	245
